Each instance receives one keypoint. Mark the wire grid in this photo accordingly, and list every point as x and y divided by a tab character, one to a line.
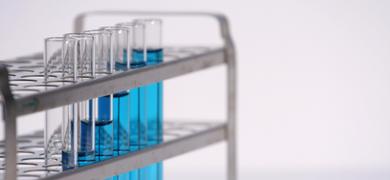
26	74
31	158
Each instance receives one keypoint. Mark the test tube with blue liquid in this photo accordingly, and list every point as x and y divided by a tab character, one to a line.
119	39
154	92
103	106
79	128
136	107
121	101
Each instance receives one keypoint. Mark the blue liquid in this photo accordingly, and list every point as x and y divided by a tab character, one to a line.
137	120
154	56
153	126
154	99
67	162
104	142
85	154
121	123
154	113
121	120
138	123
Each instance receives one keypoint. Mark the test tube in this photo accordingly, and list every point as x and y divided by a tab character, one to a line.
69	135
119	40
104	132
52	72
137	107
119	55
79	129
152	56
149	49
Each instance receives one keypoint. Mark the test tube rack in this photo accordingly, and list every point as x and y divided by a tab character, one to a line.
23	93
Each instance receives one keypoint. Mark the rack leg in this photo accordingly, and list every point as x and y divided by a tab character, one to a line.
231	116
10	146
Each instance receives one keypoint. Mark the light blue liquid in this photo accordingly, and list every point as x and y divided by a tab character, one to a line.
104	143
85	155
137	120
153	126
121	123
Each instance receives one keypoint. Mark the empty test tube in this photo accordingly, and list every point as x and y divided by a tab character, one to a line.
79	130
53	117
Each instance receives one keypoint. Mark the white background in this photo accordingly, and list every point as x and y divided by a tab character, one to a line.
314	83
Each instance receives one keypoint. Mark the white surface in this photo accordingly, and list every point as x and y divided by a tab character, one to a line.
314	83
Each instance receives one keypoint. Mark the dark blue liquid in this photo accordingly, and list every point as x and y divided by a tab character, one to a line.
104	130
152	127
67	161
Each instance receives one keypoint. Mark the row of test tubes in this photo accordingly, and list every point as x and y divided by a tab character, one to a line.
98	129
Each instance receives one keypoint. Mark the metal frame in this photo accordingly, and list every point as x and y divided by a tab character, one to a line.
14	107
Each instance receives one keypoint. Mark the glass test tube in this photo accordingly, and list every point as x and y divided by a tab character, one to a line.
119	49
69	136
104	130
152	56
79	130
137	107
52	73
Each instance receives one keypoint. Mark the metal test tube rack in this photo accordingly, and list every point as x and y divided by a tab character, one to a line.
178	61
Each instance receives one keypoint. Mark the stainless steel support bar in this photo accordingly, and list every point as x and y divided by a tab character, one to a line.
231	113
10	124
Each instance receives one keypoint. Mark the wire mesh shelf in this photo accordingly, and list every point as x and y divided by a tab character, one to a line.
30	153
26	74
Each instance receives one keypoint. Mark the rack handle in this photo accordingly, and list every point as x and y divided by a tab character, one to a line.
79	21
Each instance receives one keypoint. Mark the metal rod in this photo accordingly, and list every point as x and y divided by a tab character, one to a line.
10	124
79	20
232	108
230	58
10	145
